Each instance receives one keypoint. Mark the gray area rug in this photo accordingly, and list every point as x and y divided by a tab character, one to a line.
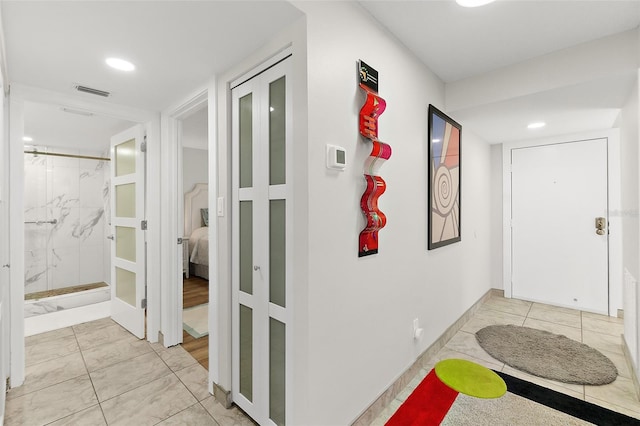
547	355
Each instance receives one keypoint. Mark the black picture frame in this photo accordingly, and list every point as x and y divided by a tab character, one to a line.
444	190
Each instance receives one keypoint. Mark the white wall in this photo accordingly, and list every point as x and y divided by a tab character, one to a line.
630	189
496	217
195	168
360	310
630	212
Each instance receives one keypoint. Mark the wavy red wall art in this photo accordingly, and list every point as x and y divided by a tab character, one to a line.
373	107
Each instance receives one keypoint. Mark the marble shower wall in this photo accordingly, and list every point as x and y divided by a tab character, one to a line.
74	192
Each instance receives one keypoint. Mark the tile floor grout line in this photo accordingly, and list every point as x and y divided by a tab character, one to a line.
185	385
207	411
69	415
93	386
119	362
135	388
44	388
52	359
185	409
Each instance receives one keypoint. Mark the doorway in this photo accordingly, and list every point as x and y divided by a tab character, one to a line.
193	137
67	215
560	224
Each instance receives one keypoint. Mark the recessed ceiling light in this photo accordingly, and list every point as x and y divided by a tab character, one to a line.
473	3
120	64
536	125
27	138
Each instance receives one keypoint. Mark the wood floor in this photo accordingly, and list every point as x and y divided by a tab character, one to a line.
196	292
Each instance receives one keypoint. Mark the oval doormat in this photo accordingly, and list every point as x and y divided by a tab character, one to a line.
547	355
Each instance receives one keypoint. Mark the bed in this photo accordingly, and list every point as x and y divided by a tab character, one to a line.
196	205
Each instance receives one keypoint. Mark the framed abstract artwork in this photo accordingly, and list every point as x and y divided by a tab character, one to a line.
444	180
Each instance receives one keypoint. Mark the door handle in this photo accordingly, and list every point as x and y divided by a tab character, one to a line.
601	224
110	237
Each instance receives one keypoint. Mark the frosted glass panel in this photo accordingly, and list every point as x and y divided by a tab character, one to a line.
246	141
126	286
126	158
277	370
126	243
246	352
277	125
277	252
126	200
246	246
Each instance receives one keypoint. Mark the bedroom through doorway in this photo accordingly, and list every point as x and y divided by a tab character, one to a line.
193	146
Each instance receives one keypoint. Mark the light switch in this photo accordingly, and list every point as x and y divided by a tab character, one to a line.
220	206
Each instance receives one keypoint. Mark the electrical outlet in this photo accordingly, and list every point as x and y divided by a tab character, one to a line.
417	331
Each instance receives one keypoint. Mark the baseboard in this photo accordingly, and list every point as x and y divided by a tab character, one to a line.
632	368
373	411
222	395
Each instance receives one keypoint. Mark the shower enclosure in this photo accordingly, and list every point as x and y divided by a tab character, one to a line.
66	213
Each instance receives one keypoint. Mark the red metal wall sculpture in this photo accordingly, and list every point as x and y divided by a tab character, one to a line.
373	107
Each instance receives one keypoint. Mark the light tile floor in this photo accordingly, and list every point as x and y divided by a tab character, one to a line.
598	331
97	373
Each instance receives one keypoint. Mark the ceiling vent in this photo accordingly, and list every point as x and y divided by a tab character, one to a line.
92	91
77	111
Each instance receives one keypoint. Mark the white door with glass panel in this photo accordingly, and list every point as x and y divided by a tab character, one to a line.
560	225
262	244
128	268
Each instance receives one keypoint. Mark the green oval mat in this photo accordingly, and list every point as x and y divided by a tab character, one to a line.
470	378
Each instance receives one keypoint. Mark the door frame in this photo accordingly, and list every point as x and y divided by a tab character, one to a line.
615	220
171	218
18	96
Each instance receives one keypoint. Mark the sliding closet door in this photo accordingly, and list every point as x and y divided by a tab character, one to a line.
261	150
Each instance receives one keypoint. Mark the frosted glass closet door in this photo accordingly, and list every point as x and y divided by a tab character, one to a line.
261	146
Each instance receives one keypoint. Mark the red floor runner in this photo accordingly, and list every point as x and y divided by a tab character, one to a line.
427	405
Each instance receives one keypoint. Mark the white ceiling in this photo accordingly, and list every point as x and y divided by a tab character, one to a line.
178	45
50	126
457	42
593	105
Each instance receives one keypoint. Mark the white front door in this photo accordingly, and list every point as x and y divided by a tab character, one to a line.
128	262
558	256
262	248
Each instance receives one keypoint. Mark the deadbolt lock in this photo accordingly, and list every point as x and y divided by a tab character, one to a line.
601	224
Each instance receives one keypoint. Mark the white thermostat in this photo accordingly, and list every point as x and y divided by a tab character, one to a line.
336	157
